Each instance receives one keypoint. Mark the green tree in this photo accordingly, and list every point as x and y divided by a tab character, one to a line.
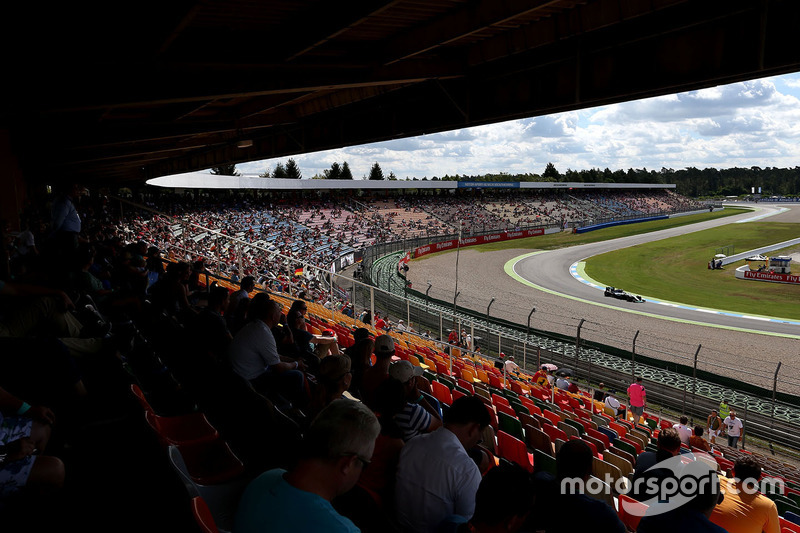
225	170
392	177
280	171
550	172
346	174
265	174
375	173
292	170
333	173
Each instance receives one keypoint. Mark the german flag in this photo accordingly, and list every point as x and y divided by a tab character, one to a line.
298	271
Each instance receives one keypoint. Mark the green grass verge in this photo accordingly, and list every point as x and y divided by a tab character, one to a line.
564	239
674	269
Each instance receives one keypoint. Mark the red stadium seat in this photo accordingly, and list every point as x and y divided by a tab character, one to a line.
554	433
514	450
505	409
442	393
499	400
630	511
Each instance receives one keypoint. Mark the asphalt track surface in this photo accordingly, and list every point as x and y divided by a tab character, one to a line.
743	348
551	271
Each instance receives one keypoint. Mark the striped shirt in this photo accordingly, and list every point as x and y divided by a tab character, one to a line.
413	420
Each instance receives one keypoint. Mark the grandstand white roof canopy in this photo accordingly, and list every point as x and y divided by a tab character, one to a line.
202	180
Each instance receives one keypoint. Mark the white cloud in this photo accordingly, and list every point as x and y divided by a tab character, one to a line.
742	124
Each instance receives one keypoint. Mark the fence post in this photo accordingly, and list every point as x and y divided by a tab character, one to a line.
578	343
441	334
694	382
774	393
371	304
633	358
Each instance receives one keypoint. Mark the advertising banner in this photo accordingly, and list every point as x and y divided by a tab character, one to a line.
474	241
772	276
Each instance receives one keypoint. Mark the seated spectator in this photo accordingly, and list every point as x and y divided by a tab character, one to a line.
745	509
24	433
683	430
436	478
510	366
336	448
418	416
210	329
371	501
562	383
379	372
612	402
693	516
503	502
559	508
324	345
669	445
171	294
333	379
541	377
236	318
360	353
254	355
697	440
600	393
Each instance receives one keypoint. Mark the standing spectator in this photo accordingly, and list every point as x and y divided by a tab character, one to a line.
713	426
336	448
436	478
724	408
734	428
683	430
744	509
65	223
638	398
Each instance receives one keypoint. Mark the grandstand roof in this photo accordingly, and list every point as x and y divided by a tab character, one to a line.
136	91
203	180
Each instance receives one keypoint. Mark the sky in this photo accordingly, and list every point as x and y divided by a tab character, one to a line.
752	123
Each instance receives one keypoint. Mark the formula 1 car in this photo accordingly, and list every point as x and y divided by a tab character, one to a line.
619	294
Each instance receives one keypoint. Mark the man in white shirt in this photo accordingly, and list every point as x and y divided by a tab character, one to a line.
734	427
254	354
683	430
612	402
510	365
436	478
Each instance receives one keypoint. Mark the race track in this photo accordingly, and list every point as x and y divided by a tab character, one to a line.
729	345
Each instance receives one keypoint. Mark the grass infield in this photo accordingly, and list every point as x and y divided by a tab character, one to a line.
675	269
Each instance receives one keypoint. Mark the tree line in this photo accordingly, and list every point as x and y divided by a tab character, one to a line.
690	181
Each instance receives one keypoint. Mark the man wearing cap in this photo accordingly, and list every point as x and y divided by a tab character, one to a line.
377	373
418	416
